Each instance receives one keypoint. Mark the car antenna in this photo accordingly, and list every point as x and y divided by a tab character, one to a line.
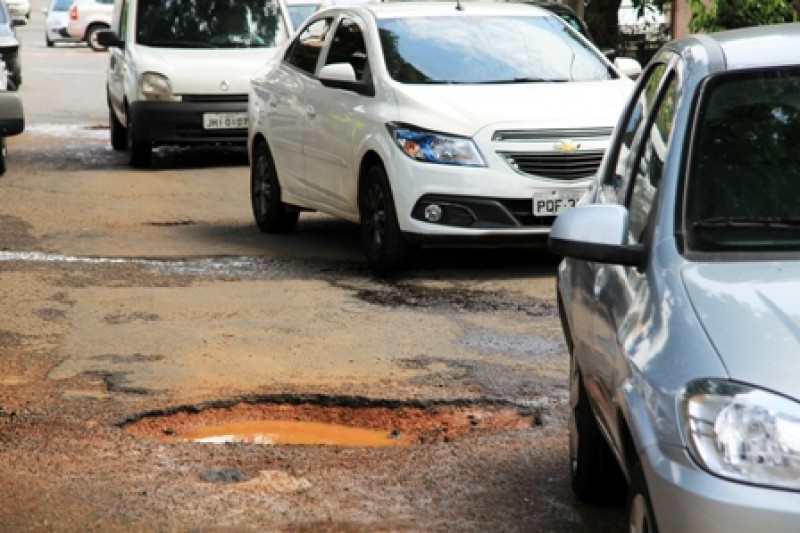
459	7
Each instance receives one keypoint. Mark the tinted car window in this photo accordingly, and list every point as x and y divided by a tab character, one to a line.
304	51
744	173
348	46
209	23
464	49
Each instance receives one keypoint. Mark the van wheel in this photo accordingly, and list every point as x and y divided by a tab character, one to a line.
594	472
91	37
140	153
383	243
270	213
640	510
119	136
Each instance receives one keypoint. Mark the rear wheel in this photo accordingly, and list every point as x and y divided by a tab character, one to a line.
384	245
594	472
91	37
270	213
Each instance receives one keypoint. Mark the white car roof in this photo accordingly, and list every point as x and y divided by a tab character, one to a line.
448	8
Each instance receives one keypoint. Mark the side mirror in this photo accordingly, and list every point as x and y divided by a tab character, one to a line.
343	76
109	38
18	21
628	66
596	233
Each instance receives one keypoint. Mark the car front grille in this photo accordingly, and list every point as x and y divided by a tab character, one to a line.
559	166
559	154
214	98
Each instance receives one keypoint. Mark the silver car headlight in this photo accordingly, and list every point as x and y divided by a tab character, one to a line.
743	433
156	87
432	147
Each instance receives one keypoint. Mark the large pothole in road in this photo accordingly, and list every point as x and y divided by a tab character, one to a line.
337	422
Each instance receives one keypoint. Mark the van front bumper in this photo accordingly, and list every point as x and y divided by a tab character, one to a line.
181	123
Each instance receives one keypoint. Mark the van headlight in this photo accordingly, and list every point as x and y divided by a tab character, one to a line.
156	87
433	147
743	433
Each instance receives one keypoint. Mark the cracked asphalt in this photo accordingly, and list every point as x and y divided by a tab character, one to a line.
128	294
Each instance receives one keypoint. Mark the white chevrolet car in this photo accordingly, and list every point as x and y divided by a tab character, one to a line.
431	124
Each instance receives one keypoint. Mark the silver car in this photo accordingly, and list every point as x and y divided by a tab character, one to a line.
680	293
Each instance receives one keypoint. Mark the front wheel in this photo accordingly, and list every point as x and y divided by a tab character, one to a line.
119	136
3	151
270	213
384	245
140	153
640	509
595	474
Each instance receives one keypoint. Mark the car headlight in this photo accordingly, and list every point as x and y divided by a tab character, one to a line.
743	433
156	87
432	147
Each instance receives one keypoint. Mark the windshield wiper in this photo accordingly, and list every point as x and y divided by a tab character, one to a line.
748	222
524	80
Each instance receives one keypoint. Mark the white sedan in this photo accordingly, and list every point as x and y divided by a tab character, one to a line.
431	124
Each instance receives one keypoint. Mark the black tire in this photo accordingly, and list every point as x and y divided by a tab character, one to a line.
119	136
595	475
140	153
48	41
270	213
91	37
641	518
3	153
384	245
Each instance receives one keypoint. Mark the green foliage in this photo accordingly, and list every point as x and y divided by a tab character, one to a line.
728	14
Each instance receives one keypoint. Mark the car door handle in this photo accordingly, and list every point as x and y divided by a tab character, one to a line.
311	112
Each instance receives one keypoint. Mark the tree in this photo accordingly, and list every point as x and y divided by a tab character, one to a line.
729	14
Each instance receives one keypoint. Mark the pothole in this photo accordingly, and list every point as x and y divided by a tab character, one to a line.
341	422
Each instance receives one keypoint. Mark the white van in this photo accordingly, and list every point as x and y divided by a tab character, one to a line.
179	70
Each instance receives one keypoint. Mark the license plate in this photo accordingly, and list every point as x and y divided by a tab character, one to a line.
548	203
224	121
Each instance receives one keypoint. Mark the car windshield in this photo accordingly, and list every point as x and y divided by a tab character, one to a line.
492	49
209	23
744	173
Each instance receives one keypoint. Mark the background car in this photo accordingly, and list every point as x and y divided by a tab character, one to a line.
56	22
9	46
19	8
86	18
678	293
429	125
12	116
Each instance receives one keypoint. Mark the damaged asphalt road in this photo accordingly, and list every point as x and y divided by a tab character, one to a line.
151	297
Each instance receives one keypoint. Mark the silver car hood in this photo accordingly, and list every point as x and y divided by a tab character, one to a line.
751	313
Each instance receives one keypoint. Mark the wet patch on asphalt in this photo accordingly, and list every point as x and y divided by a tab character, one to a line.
118	318
405	421
535	347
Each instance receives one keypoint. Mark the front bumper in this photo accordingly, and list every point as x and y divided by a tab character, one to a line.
481	206
688	499
181	123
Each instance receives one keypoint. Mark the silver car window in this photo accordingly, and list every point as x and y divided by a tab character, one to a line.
304	52
493	49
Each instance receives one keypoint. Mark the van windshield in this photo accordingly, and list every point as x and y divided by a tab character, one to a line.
210	24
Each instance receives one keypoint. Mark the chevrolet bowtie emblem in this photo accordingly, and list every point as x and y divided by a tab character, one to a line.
566	145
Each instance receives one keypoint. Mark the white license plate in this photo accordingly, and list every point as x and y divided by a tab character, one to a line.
224	121
551	202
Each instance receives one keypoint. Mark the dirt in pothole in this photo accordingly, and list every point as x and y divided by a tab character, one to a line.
409	424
